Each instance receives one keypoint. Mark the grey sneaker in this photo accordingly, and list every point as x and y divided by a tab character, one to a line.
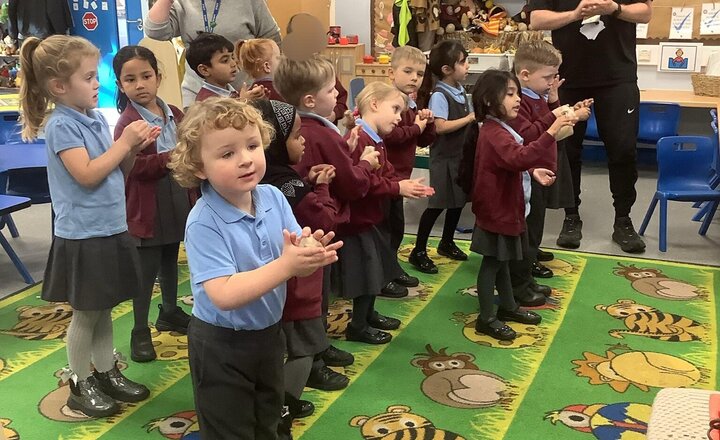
571	232
624	234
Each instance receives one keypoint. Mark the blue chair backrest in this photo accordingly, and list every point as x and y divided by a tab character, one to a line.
716	146
356	86
680	166
591	132
658	120
9	128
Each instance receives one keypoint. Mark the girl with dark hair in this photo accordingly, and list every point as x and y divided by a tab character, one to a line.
156	205
495	173
452	111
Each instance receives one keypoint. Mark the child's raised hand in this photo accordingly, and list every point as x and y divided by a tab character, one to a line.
304	260
348	120
553	93
325	176
314	171
371	155
429	115
421	121
582	113
152	136
135	134
353	139
563	120
414	188
255	92
543	176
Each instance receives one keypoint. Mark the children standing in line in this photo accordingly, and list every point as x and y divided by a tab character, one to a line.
415	129
491	172
212	57
452	112
309	85
536	66
259	58
157	206
93	263
243	244
313	207
367	261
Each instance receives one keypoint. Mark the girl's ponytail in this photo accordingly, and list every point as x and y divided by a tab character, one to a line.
467	165
426	88
33	98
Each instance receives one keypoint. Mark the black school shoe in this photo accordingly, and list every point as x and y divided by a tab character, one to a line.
119	387
530	298
541	289
407	280
571	232
394	290
544	255
298	408
86	397
450	250
334	357
624	234
521	316
422	262
368	336
325	379
141	345
496	329
381	322
540	271
173	321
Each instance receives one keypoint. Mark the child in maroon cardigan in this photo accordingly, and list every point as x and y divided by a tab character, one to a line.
157	206
312	205
368	262
415	129
493	172
259	57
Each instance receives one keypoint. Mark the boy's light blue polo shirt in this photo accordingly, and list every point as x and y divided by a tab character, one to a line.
222	240
82	212
438	103
168	136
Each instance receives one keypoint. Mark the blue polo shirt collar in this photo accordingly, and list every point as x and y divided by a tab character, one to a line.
219	90
93	119
326	122
519	139
226	211
457	92
366	128
531	94
151	117
411	103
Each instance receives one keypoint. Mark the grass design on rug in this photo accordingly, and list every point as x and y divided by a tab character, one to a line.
615	332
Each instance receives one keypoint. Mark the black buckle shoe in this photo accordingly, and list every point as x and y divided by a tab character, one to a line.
450	250
571	232
521	316
368	336
381	322
141	345
422	262
530	298
407	280
540	271
544	255
394	290
496	329
541	289
298	408
325	379
174	321
624	234
119	387
334	357
86	397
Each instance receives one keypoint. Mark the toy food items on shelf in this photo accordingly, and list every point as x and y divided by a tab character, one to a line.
383	58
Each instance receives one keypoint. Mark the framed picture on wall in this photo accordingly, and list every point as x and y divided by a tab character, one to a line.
680	57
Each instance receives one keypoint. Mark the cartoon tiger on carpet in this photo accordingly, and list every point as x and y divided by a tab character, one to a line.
42	323
398	423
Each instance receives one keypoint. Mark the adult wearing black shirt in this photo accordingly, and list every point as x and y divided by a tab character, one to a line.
605	69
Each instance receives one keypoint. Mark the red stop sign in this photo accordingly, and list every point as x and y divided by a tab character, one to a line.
90	21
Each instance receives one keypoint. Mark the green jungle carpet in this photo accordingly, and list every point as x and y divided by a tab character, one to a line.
615	331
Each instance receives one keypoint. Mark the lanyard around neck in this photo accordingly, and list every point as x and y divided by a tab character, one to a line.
210	27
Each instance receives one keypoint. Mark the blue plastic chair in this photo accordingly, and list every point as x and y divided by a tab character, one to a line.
356	86
10	204
682	176
658	120
591	132
714	174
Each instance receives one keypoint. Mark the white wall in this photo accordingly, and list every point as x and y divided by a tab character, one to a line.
354	18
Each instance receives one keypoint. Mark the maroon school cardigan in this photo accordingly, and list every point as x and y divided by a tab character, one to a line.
497	193
534	118
404	139
149	167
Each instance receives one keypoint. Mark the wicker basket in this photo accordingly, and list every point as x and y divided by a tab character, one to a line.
705	85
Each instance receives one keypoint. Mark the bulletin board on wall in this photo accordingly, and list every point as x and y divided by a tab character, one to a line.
659	27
